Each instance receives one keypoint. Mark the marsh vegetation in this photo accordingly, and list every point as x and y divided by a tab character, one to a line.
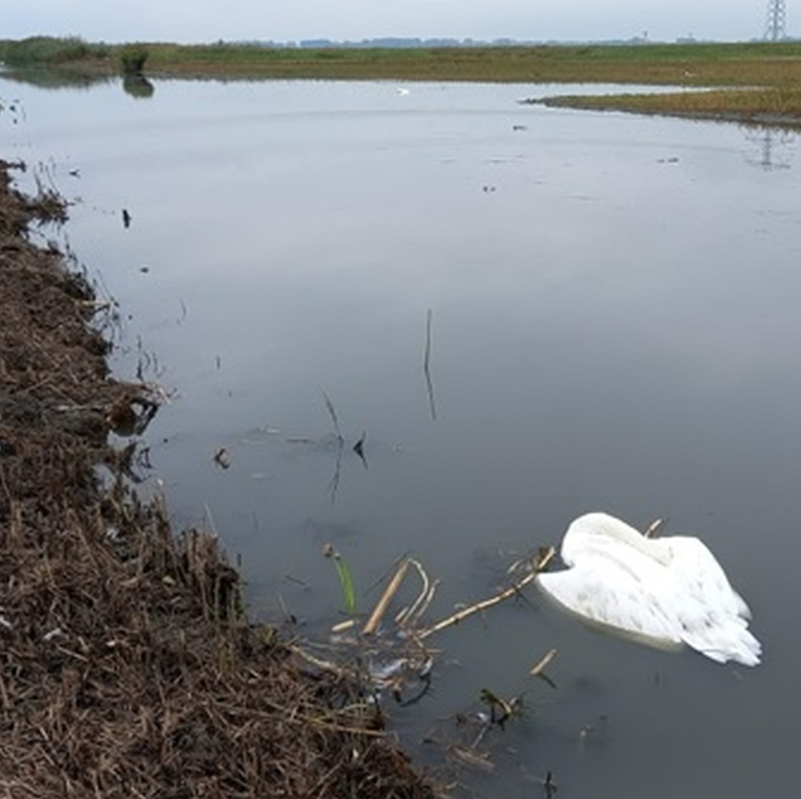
766	76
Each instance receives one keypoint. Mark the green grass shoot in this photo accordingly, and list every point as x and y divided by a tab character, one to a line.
346	581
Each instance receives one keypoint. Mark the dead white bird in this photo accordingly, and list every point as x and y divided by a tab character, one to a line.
664	592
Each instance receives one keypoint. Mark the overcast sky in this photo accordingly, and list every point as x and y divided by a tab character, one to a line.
293	20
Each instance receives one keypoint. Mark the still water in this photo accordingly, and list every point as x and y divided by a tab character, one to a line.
614	325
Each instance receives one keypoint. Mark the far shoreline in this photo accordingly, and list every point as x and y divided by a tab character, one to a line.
756	83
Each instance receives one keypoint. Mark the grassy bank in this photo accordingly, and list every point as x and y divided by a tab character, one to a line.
778	107
767	75
679	64
716	65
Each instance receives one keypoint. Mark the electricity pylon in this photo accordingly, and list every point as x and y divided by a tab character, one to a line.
777	17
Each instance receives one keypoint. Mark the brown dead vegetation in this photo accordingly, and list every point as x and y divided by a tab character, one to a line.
127	665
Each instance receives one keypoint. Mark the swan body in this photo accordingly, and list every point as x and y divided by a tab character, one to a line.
665	592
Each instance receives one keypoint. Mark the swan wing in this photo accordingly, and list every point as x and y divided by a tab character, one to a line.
627	595
713	617
697	573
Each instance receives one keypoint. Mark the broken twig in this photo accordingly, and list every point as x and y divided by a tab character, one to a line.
536	567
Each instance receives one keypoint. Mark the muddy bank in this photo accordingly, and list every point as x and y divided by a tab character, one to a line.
128	666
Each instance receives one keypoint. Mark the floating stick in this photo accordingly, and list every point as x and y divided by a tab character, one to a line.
389	592
537	566
408	616
655	528
539	669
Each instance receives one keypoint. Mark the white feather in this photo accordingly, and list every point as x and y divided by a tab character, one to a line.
665	592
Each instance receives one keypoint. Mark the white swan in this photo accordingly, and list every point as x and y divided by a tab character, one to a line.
665	592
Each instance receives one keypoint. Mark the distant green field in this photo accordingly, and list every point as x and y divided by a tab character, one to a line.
767	76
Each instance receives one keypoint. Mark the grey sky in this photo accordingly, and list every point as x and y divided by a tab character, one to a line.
285	20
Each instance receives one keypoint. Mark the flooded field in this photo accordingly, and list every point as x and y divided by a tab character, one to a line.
607	309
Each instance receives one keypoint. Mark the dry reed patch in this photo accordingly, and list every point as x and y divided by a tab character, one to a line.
127	669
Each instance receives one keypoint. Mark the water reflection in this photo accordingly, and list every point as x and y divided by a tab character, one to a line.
138	86
772	148
44	78
135	85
